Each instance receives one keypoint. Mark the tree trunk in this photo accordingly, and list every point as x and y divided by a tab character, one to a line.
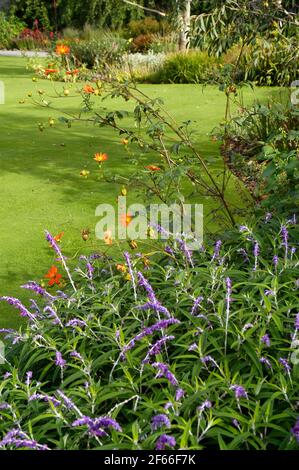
185	22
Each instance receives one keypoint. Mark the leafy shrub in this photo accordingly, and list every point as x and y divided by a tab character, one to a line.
10	27
31	39
145	26
141	43
266	138
95	53
194	350
193	67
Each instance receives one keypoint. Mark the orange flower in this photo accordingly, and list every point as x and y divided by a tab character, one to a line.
126	219
53	276
121	267
50	71
153	168
73	72
108	237
62	49
58	237
100	157
125	142
89	89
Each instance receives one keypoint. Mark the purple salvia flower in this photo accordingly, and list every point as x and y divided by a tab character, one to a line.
217	249
96	426
256	252
76	355
4	406
159	421
228	284
169	250
297	322
193	347
90	270
163	371
269	292
156	348
264	360
28	378
180	393
196	305
168	405
205	405
187	253
275	260
53	314
285	364
295	430
7	375
19	439
244	254
244	228
284	239
246	327
266	340
19	306
236	423
164	441
59	360
156	306
67	401
37	289
160	325
240	391
76	322
146	285
208	359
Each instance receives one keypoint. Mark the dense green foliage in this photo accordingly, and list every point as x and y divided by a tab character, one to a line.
209	344
10	27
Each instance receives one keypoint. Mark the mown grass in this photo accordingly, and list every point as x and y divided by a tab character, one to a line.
40	178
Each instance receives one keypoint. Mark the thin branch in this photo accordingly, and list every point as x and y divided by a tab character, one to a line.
158	12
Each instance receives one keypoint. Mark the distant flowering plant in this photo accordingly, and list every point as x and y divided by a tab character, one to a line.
158	355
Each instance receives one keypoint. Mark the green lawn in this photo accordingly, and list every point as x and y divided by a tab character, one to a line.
40	178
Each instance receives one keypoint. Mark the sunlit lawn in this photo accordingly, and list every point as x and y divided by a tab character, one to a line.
40	178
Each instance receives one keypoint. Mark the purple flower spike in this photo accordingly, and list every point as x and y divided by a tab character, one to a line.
240	391
205	405
266	340
59	360
159	421
275	260
196	305
217	249
179	394
295	430
163	371
297	321
285	364
97	426
164	441
264	360
19	306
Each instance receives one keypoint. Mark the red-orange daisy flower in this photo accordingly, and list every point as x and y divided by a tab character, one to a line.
88	89
153	168
73	72
50	71
62	49
58	237
53	276
100	157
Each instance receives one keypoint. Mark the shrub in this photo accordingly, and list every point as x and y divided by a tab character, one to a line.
10	27
195	346
193	67
145	26
142	43
95	53
263	144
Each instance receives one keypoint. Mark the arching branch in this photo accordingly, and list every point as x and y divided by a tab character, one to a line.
158	12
